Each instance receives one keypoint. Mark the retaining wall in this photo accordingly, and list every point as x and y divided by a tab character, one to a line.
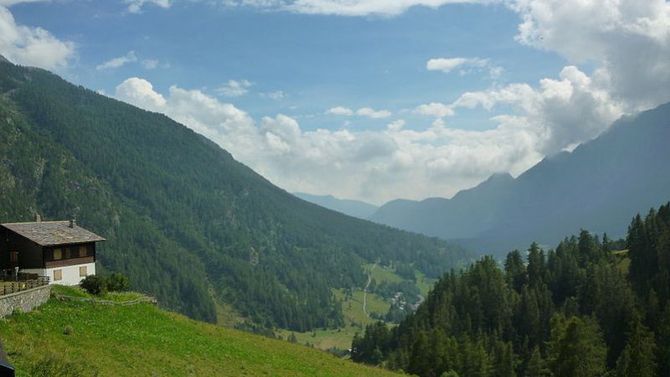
24	300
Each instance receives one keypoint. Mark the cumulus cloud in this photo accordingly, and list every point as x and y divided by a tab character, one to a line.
370	165
235	88
628	40
136	6
434	109
31	46
340	110
564	111
372	113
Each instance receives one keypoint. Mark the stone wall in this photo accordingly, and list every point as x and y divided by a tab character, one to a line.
25	300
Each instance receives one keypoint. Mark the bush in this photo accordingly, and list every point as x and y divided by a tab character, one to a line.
117	282
93	284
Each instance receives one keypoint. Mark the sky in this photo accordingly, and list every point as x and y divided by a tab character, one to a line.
363	99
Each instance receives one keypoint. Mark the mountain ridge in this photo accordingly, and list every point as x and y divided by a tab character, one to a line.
592	187
354	208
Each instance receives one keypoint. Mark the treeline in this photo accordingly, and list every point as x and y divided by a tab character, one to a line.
184	221
584	309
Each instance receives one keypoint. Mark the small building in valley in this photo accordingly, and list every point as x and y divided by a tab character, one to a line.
60	250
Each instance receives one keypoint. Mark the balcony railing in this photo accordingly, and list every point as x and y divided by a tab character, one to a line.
8	287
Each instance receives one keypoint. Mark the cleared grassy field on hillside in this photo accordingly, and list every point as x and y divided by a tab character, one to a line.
142	340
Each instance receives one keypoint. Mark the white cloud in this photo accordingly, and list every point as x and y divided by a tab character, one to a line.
370	165
628	40
140	93
235	88
350	7
118	62
31	46
340	110
372	113
564	111
464	66
396	125
136	6
434	109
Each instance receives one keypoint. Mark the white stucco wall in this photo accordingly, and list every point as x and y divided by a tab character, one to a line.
70	274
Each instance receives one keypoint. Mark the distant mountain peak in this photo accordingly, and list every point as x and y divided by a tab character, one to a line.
3	59
500	177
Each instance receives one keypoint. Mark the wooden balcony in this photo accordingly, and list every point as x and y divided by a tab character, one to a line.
68	262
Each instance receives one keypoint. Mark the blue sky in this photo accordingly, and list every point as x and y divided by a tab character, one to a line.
317	61
361	99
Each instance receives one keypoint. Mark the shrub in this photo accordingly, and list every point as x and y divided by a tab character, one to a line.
94	285
117	282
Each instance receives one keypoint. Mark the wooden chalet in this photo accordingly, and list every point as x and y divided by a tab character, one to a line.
60	250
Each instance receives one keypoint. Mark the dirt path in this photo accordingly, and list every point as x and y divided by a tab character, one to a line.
365	291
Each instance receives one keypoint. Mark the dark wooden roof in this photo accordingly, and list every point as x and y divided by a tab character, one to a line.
52	233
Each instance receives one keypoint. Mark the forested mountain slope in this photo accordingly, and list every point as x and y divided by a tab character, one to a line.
584	309
184	220
596	187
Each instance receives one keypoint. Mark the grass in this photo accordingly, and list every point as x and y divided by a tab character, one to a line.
381	273
424	283
143	340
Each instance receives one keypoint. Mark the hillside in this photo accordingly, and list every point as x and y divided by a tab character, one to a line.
142	340
355	208
596	186
583	309
186	222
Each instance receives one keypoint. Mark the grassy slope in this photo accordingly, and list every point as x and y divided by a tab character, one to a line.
142	340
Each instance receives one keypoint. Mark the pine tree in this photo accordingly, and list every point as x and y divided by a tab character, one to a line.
638	359
537	367
515	271
577	349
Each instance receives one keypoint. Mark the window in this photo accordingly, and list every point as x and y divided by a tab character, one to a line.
68	253
83	272
58	275
14	256
82	251
58	254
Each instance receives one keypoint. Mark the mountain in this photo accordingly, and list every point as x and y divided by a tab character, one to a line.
186	222
354	208
71	338
594	187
